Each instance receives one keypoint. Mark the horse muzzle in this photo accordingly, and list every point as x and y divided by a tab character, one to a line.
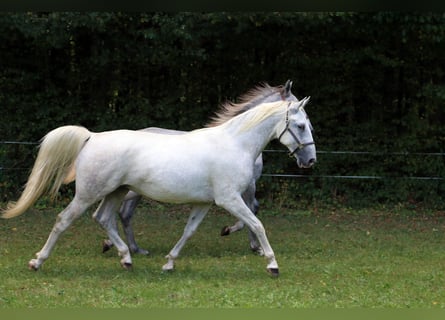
306	164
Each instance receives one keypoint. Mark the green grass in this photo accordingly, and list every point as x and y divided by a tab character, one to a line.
341	258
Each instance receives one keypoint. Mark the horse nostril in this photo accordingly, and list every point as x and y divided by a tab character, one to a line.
312	161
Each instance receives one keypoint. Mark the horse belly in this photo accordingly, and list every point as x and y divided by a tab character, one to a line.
178	191
173	182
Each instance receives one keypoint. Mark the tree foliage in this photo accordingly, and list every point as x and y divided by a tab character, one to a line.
376	82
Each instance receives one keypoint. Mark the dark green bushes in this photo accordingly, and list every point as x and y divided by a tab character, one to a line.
376	81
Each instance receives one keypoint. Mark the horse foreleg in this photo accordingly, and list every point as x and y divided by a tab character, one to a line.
253	240
64	220
236	206
196	216
253	204
106	216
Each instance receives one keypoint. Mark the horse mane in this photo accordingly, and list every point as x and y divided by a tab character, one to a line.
229	109
262	112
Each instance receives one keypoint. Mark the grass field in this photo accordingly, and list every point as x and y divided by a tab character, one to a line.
329	258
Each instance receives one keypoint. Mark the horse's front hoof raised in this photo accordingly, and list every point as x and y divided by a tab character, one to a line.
274	272
225	231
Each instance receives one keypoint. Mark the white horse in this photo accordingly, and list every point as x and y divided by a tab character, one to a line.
251	99
187	168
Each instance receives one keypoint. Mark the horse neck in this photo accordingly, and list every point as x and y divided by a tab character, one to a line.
255	138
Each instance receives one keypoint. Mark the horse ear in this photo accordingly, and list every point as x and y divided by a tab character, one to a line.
304	102
287	88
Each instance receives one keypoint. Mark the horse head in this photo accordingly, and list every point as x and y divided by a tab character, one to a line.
296	134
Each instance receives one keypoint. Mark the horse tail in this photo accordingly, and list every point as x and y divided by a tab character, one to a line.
54	165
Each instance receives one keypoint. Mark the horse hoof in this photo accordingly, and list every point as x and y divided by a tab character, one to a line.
106	245
141	251
225	231
273	272
168	267
127	266
32	266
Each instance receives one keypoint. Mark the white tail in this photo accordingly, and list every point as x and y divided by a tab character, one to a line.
54	164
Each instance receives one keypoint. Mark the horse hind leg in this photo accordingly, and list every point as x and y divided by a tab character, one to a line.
105	215
125	214
226	230
63	221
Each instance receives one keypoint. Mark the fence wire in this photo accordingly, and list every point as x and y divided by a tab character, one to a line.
299	176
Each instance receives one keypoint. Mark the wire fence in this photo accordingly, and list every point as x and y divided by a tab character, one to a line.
299	176
362	177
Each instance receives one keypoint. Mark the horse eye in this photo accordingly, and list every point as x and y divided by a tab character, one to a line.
301	126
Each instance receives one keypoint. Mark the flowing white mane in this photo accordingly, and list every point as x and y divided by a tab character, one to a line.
254	116
229	109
